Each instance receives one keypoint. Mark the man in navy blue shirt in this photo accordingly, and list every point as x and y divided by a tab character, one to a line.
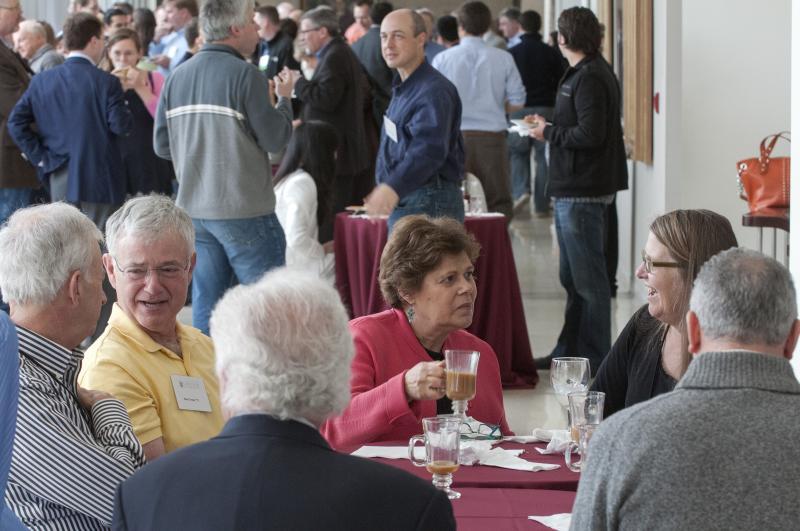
421	156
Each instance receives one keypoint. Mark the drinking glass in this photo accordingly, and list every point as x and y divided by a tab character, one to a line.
461	370
441	440
585	408
568	375
585	432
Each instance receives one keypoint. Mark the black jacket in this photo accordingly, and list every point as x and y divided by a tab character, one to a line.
336	95
587	153
261	473
281	53
368	51
540	67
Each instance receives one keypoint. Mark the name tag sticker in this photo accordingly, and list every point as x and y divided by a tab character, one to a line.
263	62
390	128
190	393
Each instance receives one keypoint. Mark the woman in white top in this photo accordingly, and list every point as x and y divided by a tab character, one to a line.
302	194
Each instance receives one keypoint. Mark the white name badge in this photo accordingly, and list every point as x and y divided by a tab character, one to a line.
390	128
263	62
190	393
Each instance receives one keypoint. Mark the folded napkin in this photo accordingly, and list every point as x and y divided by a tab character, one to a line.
485	215
508	459
559	441
387	452
521	131
559	522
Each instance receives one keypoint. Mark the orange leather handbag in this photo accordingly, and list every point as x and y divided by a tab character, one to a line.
764	181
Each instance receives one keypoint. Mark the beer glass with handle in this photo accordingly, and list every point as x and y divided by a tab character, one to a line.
441	440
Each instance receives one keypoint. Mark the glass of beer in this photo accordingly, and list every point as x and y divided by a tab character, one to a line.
441	440
585	408
461	371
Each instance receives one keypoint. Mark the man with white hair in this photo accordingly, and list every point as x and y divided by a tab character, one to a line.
719	451
283	360
145	357
73	446
30	40
215	123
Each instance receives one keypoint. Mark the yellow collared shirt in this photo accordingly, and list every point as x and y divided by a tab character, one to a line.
130	365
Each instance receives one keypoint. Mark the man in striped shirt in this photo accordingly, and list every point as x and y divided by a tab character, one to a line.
73	446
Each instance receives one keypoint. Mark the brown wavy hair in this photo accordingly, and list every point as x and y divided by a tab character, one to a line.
415	248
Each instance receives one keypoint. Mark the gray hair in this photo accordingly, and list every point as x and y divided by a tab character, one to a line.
149	216
323	17
744	296
32	27
40	247
217	17
283	347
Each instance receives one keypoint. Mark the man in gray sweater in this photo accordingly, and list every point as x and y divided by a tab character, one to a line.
216	123
720	451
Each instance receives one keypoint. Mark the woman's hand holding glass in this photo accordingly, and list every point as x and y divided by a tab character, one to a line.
426	381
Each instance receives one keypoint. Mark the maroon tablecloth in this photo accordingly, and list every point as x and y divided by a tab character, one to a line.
499	317
501	478
508	509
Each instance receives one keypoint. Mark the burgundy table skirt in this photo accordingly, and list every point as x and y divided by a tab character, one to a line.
508	509
499	317
478	476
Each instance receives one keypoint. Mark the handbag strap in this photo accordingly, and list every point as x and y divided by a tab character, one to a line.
766	150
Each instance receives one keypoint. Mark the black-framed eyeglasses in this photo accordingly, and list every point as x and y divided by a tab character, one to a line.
649	264
303	32
137	273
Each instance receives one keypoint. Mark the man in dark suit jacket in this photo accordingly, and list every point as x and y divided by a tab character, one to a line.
335	94
17	177
68	123
368	49
283	359
275	48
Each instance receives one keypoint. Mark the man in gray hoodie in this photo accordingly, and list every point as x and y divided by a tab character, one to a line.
718	452
216	123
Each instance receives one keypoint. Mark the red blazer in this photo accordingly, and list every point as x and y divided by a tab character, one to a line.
386	348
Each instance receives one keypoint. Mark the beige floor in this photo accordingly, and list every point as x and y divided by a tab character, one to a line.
536	255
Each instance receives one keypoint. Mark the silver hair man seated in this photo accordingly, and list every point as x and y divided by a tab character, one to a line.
73	446
719	451
145	357
283	361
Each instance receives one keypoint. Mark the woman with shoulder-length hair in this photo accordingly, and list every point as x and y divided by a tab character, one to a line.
651	353
427	276
144	171
303	196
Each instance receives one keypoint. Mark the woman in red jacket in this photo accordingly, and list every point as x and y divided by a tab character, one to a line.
427	276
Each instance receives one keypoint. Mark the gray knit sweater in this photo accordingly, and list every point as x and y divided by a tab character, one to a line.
215	122
721	451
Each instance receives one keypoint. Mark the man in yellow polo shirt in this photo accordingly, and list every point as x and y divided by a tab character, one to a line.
162	370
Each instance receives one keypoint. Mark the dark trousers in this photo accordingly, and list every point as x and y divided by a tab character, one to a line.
487	158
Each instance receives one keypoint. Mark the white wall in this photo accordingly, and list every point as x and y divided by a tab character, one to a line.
722	70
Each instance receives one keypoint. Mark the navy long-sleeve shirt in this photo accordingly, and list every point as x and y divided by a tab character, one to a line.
426	111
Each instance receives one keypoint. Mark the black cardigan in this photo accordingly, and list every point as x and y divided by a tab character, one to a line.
632	370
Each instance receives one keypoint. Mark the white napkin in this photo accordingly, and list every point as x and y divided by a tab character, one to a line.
559	441
502	458
485	215
522	439
521	131
559	522
387	452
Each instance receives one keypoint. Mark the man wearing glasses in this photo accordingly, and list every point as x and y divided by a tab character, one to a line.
162	370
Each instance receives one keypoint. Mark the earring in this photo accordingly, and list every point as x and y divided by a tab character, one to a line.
410	314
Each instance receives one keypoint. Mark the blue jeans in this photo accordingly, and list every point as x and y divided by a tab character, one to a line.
11	200
580	228
437	199
519	149
246	248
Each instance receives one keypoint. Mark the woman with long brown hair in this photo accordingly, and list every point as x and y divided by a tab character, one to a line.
651	353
